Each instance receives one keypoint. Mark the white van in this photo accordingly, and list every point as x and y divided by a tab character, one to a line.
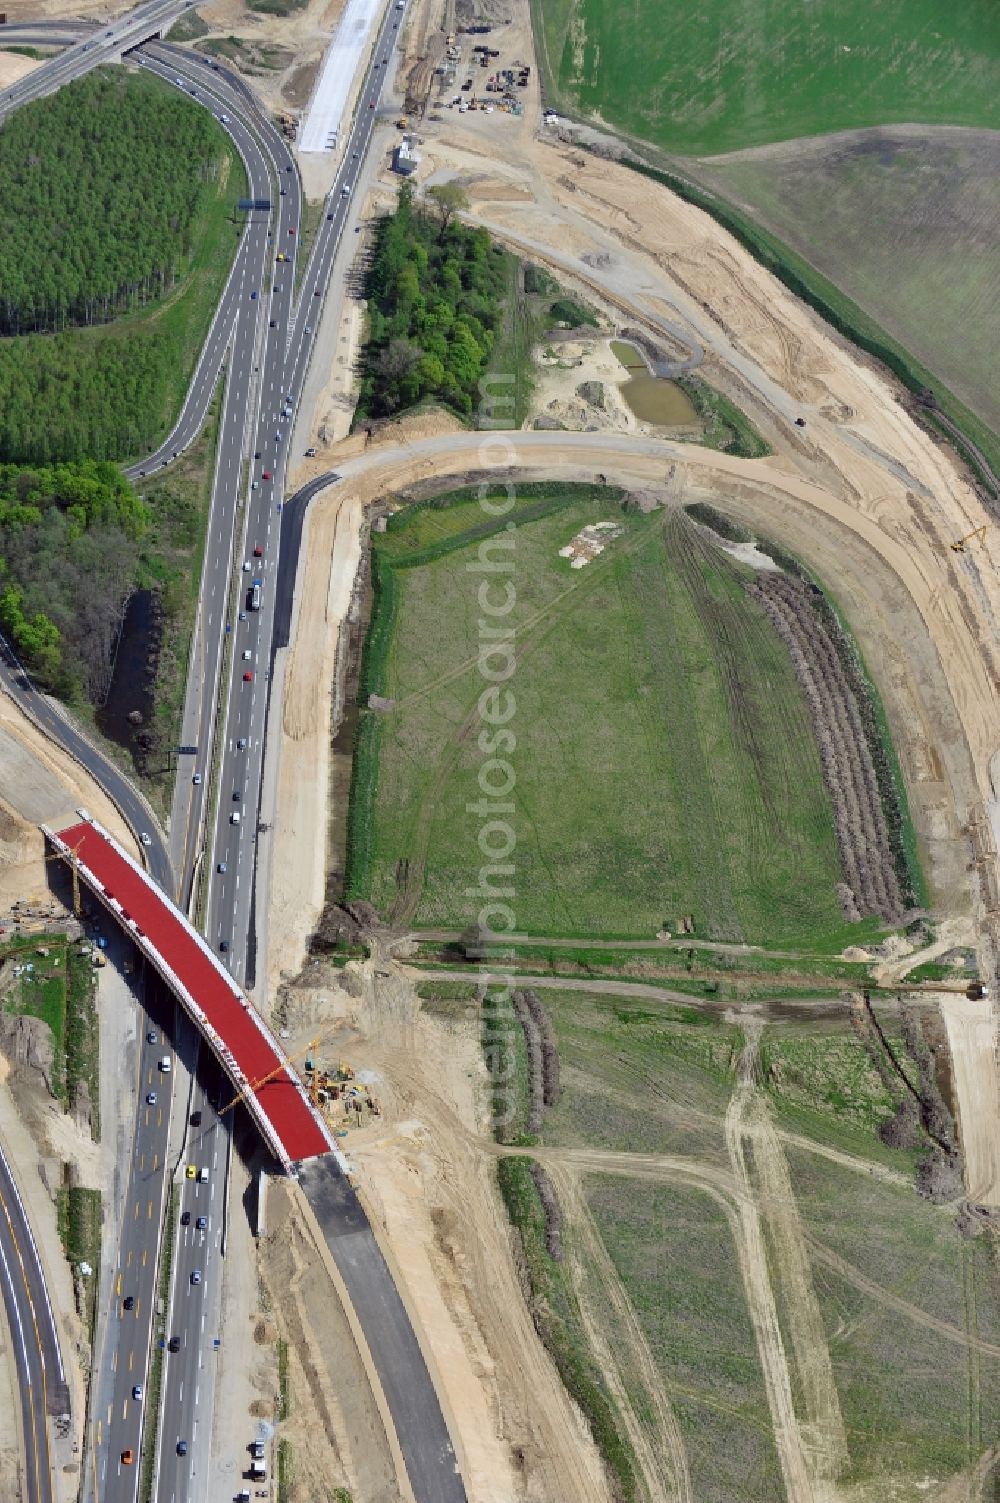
234	818
165	1066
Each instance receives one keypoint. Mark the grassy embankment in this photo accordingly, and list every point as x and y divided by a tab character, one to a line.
78	1217
60	990
652	661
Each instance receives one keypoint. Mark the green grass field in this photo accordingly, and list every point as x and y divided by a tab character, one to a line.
915	1404
665	761
673	1251
639	1079
934	197
725	75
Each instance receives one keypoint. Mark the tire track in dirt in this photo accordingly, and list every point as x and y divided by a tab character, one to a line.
820	1253
760	1295
821	1427
661	1455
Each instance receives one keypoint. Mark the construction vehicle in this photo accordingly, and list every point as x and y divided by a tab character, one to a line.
973	990
402	123
255	1085
979	533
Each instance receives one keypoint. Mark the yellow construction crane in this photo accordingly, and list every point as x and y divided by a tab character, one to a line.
255	1085
979	533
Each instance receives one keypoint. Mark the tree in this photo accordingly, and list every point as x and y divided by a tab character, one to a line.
449	199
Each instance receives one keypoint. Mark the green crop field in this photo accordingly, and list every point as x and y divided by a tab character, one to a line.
934	197
665	763
723	75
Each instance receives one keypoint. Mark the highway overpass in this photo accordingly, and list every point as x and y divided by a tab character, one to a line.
239	1038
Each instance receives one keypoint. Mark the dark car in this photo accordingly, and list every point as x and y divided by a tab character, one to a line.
182	1448
196	1119
224	946
273	324
185	1218
174	1344
129	1302
201	1223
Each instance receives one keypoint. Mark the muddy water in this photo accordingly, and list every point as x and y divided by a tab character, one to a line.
650	398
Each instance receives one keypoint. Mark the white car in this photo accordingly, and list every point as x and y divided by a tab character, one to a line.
196	780
137	1391
246	566
145	839
247	655
234	818
203	1176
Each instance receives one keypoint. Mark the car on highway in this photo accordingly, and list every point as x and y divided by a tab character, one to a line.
182	1448
224	946
258	551
128	1303
137	1391
196	1276
203	1175
201	1223
165	1065
241	744
185	1218
283	193
257	454
191	1171
196	780
243	614
145	839
152	1037
234	818
291	229
265	474
247	655
196	1119
329	217
222	868
309	328
150	1098
318	292
237	796
253	297
127	1458
273	323
248	678
174	1344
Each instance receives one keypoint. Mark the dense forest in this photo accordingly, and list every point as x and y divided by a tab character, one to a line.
101	186
434	290
70	538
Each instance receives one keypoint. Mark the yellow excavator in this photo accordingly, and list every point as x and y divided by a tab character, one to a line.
979	533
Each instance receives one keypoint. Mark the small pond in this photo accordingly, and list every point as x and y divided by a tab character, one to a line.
651	398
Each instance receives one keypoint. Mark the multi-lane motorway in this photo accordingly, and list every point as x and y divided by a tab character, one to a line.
260	341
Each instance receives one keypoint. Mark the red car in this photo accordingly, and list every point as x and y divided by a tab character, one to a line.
248	677
258	552
292	230
265	474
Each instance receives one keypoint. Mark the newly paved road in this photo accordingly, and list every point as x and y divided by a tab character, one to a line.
44	1391
413	1403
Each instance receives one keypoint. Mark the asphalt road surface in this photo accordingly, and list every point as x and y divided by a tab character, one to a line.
413	1403
117	1411
35	1340
50	717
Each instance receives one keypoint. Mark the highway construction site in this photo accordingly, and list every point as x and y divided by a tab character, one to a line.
873	505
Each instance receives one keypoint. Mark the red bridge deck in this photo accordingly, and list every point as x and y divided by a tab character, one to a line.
231	1025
